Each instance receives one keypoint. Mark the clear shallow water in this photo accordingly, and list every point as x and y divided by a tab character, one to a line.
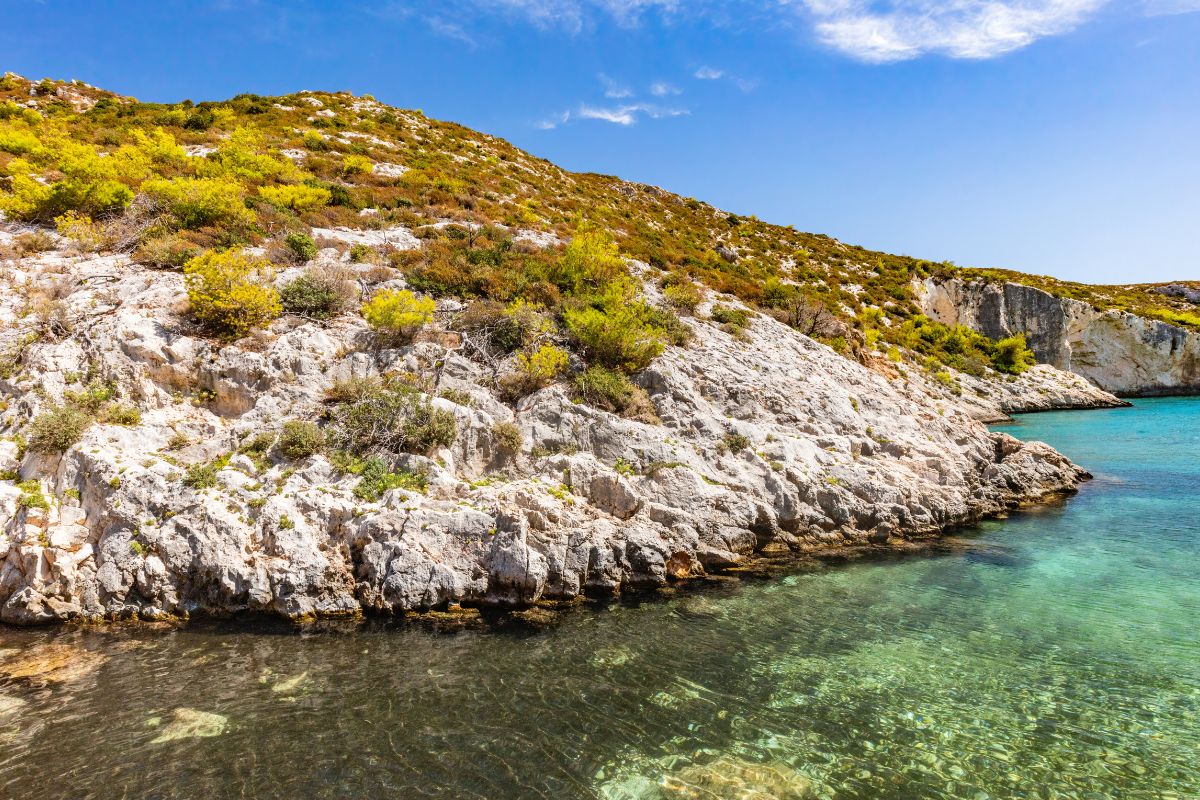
1051	655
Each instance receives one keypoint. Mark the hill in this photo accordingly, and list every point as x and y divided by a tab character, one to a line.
314	355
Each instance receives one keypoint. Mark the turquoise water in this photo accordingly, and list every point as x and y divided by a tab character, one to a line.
1051	655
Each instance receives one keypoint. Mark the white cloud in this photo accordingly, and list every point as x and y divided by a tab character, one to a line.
896	30
664	89
709	74
622	115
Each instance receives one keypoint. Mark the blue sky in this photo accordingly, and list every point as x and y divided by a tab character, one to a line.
1052	136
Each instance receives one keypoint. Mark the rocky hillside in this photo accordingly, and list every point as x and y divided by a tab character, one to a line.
312	355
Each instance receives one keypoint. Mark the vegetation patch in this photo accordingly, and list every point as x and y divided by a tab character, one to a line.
387	415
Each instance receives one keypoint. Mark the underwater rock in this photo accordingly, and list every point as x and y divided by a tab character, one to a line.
190	723
51	663
730	778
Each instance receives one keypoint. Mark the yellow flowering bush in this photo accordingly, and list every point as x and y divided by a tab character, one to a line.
197	202
543	365
229	293
296	197
356	165
398	312
81	230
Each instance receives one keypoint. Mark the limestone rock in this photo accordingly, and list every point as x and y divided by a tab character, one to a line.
1115	350
768	441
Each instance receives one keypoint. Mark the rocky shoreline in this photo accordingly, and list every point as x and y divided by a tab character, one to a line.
759	441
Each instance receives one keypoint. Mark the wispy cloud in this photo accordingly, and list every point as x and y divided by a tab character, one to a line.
664	89
873	31
451	30
707	73
614	90
628	114
574	15
624	115
897	30
1159	8
552	122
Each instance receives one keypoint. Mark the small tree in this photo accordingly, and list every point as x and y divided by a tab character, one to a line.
398	313
617	337
591	261
229	294
1012	355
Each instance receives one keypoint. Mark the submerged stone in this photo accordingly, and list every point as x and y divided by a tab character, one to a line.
51	663
190	723
730	778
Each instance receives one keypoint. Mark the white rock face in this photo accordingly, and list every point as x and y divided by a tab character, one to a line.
1117	351
767	442
398	237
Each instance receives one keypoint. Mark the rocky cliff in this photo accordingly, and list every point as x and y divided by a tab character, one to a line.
759	440
1118	351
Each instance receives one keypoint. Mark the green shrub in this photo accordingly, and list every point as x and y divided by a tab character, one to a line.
684	295
356	165
320	293
610	390
388	416
121	414
535	370
377	478
301	247
295	197
258	445
301	439
1012	355
32	495
201	120
92	398
197	202
590	262
229	292
170	251
617	336
58	428
946	379
204	476
508	436
734	443
732	319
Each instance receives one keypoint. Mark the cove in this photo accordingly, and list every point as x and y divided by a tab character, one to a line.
1053	654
